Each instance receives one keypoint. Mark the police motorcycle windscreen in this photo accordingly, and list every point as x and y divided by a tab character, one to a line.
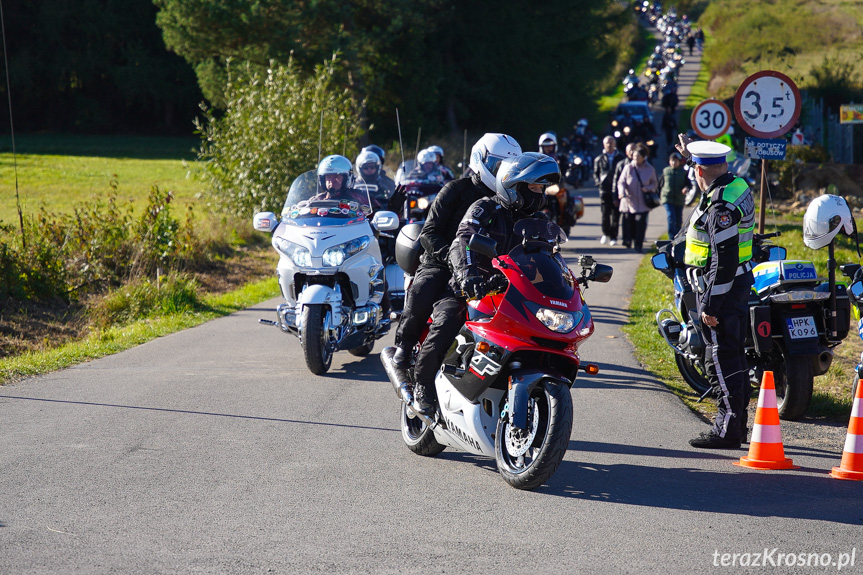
330	271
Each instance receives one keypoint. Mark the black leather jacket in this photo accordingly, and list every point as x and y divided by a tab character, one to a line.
444	216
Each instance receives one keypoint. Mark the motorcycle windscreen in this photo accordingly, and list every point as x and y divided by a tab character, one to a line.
308	204
548	273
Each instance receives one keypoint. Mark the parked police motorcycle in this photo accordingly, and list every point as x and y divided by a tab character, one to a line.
503	389
330	270
787	332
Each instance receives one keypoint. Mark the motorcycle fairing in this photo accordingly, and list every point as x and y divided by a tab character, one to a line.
469	426
775	274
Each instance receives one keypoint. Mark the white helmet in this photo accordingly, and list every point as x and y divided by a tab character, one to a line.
426	156
365	158
437	150
335	164
825	216
548	139
488	153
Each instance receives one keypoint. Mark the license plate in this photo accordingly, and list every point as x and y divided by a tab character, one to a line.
801	327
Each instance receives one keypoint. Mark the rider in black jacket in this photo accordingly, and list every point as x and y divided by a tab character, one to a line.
519	192
445	213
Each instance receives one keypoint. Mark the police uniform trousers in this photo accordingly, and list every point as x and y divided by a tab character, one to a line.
428	285
725	359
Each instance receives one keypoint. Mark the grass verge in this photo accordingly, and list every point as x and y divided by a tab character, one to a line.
115	339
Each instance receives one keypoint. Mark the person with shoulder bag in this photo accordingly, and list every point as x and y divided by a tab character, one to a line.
636	189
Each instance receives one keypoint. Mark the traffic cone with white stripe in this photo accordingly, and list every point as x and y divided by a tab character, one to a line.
765	446
852	456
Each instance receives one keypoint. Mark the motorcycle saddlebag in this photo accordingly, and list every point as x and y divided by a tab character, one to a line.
761	328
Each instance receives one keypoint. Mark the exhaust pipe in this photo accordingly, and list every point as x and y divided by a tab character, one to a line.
398	377
822	361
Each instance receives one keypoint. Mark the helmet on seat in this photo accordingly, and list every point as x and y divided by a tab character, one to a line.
488	153
338	165
514	177
825	216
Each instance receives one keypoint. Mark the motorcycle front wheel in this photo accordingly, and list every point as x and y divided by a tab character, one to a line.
417	435
692	374
526	458
318	346
794	386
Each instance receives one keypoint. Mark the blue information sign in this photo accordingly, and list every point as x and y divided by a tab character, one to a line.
761	149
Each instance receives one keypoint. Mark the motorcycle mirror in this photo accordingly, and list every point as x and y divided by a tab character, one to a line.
856	290
483	245
776	254
385	221
601	273
660	262
265	221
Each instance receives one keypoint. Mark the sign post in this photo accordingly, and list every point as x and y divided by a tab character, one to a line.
766	105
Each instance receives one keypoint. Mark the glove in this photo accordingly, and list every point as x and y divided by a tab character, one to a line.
498	283
397	200
474	287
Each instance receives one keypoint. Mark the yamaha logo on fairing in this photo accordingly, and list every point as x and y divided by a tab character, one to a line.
456	431
555	302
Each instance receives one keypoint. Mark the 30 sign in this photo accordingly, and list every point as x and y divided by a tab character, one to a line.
710	119
767	104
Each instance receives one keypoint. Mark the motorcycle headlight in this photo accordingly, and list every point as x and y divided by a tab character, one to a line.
559	321
336	255
301	256
577	161
424	202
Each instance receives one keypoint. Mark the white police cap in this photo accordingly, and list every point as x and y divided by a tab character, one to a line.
706	153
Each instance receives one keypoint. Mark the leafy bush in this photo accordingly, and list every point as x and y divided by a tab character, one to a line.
796	158
269	134
99	246
143	298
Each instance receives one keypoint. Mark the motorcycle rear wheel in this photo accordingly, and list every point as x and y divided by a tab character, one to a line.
693	376
549	428
317	347
418	436
793	384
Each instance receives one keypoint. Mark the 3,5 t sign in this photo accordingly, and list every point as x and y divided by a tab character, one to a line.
767	104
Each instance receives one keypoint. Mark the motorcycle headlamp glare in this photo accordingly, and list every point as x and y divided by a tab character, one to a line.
558	321
424	202
301	256
336	255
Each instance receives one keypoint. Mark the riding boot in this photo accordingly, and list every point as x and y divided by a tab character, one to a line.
424	399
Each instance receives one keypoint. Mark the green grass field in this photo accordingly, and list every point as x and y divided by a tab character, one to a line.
58	172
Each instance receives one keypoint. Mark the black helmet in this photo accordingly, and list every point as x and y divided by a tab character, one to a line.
514	177
409	248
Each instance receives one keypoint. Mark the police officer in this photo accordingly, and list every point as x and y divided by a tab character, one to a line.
439	229
719	252
519	192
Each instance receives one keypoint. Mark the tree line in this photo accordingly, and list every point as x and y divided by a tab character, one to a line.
145	65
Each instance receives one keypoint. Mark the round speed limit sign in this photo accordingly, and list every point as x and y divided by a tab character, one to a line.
710	119
767	104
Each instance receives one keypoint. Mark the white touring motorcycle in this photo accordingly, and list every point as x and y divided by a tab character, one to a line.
330	270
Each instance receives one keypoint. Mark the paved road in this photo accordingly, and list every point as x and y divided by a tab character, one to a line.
214	450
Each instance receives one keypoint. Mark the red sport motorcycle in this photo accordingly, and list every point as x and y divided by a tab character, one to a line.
504	387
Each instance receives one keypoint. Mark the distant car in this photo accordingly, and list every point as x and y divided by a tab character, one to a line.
626	112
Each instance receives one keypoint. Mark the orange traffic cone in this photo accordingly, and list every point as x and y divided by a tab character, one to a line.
765	447
852	456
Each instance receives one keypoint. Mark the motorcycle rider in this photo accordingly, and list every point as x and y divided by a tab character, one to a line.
519	192
444	170
426	168
559	213
604	168
335	180
444	215
719	252
370	171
